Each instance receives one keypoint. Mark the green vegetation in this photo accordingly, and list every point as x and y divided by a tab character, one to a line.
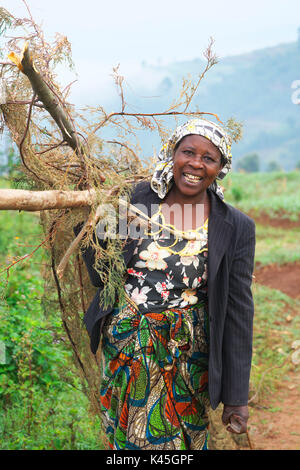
8	161
249	163
277	245
41	402
42	405
273	194
276	326
274	166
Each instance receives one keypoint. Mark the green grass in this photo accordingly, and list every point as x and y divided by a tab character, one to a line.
275	194
4	183
278	196
51	422
277	245
273	337
42	405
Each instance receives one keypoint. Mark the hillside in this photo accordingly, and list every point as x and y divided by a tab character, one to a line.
255	88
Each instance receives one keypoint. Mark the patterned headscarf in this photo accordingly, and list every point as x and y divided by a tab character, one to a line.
162	178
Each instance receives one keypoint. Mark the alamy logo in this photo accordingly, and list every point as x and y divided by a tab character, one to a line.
296	94
140	221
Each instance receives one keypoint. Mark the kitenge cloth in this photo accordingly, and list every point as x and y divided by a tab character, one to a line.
161	181
154	390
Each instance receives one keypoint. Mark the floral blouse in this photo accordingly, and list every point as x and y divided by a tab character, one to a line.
168	270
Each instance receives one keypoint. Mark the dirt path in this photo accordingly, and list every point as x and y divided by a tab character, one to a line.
275	424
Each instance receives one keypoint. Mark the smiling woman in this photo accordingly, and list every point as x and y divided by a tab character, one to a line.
196	164
182	340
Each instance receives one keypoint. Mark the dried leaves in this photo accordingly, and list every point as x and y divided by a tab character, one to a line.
66	149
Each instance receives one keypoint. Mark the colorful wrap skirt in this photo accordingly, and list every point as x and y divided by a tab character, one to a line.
154	379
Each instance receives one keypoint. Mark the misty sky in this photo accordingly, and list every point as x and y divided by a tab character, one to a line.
104	34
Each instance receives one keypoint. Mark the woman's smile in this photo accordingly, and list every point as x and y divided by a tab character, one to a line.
191	178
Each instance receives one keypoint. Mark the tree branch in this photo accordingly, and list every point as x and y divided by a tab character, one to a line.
152	115
50	101
48	98
19	199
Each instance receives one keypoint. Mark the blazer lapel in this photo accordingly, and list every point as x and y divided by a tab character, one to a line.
219	235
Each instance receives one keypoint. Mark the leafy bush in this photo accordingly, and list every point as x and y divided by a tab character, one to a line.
42	405
237	193
249	163
273	166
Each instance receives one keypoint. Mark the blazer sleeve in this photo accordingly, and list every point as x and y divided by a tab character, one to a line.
88	255
238	328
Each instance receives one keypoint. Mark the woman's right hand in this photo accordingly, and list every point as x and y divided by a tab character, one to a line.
235	417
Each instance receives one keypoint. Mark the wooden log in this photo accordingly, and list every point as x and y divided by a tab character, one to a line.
19	199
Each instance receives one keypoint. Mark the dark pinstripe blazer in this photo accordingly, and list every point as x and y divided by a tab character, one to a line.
231	245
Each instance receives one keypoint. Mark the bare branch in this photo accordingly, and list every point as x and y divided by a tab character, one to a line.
16	102
28	255
23	141
90	224
7	63
152	115
211	60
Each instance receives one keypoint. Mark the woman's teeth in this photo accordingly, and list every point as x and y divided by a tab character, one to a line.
192	178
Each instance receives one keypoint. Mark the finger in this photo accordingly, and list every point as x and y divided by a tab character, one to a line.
225	420
242	430
226	417
235	426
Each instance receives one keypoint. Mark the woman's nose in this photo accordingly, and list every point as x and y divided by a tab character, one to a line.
197	161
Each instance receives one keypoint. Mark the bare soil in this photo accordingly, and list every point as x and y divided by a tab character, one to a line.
275	423
285	278
281	221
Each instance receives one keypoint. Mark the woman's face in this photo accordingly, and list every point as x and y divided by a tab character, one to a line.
197	162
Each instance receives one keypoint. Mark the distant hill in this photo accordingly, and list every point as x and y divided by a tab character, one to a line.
255	88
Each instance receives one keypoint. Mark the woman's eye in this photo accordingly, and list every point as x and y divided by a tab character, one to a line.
188	152
207	158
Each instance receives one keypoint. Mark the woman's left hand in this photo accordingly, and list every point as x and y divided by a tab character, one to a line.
235	418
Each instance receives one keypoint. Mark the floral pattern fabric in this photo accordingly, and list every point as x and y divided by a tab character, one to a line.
168	271
154	389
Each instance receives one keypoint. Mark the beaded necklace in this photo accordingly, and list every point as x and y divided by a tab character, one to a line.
196	238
